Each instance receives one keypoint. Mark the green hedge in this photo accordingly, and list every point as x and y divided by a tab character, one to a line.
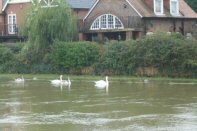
73	56
171	54
163	54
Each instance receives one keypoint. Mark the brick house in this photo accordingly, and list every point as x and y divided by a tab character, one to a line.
111	19
130	19
12	15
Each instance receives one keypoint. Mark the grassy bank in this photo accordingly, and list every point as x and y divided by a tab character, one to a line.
91	78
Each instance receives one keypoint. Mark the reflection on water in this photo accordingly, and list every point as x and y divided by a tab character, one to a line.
124	106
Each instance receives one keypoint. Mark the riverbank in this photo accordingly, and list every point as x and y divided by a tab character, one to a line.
152	56
92	77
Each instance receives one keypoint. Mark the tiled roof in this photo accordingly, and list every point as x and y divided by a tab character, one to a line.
81	4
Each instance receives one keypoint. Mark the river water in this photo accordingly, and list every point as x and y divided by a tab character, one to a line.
36	105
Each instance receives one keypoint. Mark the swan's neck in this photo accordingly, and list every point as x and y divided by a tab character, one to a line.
60	78
69	81
107	81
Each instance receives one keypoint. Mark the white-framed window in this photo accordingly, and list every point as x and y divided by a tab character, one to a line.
174	7
107	21
12	24
158	7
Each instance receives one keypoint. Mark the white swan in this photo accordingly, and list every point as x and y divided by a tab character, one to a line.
35	78
146	81
19	80
56	82
102	84
67	82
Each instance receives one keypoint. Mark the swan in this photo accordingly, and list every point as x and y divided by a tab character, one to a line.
35	78
101	83
146	81
19	80
56	82
66	82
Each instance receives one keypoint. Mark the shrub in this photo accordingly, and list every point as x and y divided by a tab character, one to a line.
6	59
15	47
168	53
74	55
115	58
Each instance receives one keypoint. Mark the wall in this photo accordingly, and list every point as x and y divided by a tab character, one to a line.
80	13
119	8
170	25
1	17
20	9
167	4
1	6
150	3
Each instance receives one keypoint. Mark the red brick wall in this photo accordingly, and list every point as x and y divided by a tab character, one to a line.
119	8
167	4
20	10
166	25
150	3
1	17
1	6
80	13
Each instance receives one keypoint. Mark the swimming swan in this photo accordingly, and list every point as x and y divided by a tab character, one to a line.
101	83
55	82
61	82
19	80
67	82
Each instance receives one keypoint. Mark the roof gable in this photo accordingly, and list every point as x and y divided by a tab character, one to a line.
127	1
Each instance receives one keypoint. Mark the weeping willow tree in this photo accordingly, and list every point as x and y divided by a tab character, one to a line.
46	24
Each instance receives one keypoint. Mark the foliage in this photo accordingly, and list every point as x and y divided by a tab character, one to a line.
171	55
6	58
45	25
115	58
74	55
168	53
15	47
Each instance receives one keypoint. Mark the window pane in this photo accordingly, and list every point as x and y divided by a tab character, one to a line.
174	7
118	23
110	21
96	24
103	21
158	6
106	21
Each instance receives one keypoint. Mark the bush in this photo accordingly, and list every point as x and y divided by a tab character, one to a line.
74	55
6	59
168	53
15	47
160	54
115	59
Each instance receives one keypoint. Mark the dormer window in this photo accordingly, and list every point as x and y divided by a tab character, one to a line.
158	7
174	7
